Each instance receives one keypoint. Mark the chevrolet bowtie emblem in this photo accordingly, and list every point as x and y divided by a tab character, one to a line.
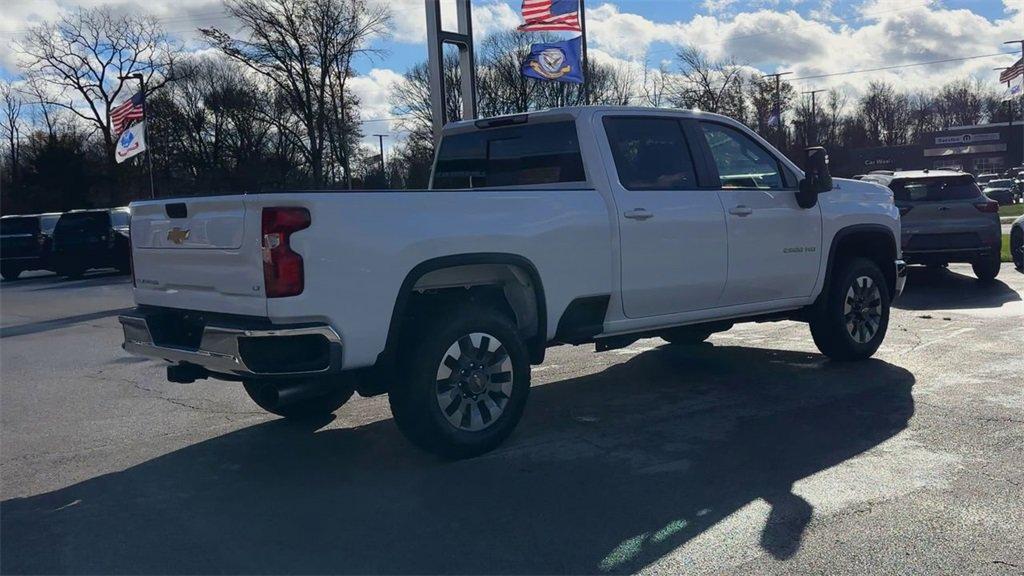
177	235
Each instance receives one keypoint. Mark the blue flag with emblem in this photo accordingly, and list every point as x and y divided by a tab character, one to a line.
558	61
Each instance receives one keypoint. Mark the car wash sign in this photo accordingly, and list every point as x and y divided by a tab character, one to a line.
967	139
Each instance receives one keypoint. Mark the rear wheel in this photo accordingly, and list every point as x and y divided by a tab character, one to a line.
851	320
987	268
298	399
464	382
10	272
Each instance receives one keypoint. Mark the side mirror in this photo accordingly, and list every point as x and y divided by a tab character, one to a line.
817	178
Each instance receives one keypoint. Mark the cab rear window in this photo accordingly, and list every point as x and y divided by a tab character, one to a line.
935	189
522	155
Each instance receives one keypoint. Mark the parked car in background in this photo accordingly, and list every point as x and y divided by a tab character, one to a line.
596	225
945	218
1002	190
984	179
25	243
87	239
1017	243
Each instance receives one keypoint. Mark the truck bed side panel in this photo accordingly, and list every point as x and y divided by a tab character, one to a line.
361	246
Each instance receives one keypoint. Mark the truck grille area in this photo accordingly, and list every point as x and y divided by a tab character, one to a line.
943	241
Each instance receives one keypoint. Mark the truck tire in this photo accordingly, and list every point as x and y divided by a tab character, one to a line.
851	319
264	394
463	382
986	269
10	272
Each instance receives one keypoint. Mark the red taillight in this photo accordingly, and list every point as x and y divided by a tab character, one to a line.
904	209
987	207
283	273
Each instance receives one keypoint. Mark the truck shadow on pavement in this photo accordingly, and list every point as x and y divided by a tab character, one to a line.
935	289
608	472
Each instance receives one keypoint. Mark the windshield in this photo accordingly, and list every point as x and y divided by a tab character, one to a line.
935	189
1000	183
26	225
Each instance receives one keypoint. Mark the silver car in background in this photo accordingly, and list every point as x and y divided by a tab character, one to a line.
945	218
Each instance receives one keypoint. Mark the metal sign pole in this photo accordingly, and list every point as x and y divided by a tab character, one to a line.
437	37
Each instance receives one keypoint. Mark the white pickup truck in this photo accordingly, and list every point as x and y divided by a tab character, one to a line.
579	225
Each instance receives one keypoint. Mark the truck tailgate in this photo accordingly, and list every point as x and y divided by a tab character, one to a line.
198	254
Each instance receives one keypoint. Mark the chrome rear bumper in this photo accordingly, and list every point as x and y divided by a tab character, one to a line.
235	348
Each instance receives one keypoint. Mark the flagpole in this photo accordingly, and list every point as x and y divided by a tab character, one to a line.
145	130
586	71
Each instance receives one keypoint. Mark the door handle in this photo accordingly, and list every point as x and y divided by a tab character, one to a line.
741	210
638	214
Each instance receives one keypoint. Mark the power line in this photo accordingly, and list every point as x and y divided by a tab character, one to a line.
896	66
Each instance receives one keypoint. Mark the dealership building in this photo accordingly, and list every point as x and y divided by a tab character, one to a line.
977	149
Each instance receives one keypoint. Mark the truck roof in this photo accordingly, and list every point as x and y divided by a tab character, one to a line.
575	112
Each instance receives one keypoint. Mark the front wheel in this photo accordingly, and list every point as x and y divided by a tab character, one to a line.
987	268
463	383
851	320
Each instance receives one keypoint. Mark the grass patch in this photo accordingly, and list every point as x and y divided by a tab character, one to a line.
1011	210
1004	253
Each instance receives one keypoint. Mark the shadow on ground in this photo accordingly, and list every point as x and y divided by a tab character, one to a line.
608	473
943	289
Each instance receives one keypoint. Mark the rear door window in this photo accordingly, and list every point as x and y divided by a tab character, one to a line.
650	153
16	226
523	155
935	189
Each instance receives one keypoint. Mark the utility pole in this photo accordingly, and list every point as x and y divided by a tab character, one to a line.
778	107
812	139
145	117
380	139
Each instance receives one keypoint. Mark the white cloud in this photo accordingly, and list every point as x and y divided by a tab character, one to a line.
373	90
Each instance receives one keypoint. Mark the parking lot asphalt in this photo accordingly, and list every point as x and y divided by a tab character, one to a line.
750	454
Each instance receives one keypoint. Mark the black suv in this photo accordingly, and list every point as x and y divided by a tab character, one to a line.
86	239
25	243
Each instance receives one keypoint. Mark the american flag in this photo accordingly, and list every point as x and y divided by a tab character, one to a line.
127	113
550	15
1013	71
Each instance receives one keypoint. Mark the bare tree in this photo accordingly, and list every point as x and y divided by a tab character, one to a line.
655	86
305	49
885	114
704	83
12	109
82	59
